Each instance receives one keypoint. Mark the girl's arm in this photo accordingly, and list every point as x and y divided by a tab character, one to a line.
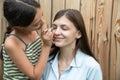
16	52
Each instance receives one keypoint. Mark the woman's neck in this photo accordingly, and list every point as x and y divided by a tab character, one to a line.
65	58
67	52
66	55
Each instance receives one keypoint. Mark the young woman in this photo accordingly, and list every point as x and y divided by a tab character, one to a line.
24	55
71	57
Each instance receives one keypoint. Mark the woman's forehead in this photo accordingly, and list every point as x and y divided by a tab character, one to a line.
62	20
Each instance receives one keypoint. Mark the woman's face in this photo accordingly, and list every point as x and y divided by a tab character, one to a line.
65	33
37	22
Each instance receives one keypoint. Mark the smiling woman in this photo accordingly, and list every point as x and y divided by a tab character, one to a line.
71	57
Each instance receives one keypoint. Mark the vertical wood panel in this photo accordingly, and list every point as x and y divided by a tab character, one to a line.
113	54
118	62
46	8
0	36
57	5
1	15
107	27
91	33
88	12
102	34
115	49
75	4
118	45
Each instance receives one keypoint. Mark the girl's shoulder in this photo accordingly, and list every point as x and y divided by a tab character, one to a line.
12	42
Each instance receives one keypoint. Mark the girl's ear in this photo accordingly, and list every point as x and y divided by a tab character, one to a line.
78	35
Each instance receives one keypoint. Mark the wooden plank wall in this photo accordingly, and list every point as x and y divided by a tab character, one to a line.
115	46
100	18
1	36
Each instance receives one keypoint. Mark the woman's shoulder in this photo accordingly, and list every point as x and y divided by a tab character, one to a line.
91	62
87	60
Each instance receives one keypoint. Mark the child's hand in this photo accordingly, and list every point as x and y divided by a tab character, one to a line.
47	36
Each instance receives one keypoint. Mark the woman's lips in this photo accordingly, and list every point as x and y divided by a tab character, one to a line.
57	39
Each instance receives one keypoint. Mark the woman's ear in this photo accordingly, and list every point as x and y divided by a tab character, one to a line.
78	35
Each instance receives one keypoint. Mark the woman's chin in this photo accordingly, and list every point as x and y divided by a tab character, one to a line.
58	45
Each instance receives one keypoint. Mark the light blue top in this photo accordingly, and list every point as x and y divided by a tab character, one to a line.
82	67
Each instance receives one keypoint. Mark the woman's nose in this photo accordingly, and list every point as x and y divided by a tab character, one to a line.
57	31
